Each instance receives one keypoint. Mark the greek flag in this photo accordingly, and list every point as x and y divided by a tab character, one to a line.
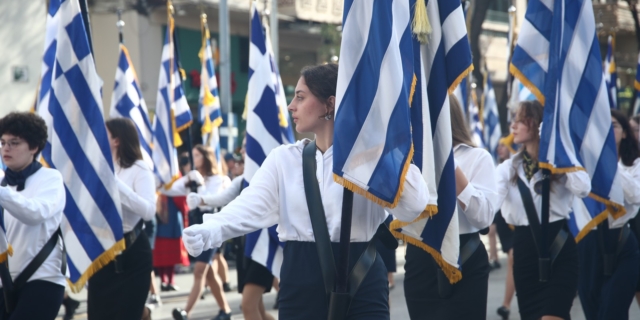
476	125
636	87
264	133
610	73
577	133
70	102
209	102
127	102
172	114
372	148
440	65
492	130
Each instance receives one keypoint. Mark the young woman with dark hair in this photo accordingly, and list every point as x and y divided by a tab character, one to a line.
32	198
551	299
477	205
210	180
125	281
276	196
609	257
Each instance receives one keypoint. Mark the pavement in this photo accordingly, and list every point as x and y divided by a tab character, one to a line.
207	308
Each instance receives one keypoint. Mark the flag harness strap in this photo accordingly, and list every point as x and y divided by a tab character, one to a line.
11	287
546	259
338	301
610	257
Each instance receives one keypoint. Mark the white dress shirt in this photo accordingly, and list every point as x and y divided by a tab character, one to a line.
276	196
221	199
630	179
562	192
479	199
31	217
137	193
212	185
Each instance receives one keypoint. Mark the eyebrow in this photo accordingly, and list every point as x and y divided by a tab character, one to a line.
299	91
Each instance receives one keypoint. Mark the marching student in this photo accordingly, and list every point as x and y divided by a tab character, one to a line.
32	198
277	196
254	279
551	299
430	297
119	290
609	256
206	165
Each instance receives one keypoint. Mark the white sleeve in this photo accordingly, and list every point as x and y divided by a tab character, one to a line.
630	178
48	200
178	188
480	197
223	198
140	198
579	183
256	208
414	198
504	173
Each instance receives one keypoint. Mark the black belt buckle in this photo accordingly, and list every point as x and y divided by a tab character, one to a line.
544	269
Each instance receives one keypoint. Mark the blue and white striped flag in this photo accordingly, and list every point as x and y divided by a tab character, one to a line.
70	102
491	119
372	148
440	65
172	114
127	102
577	133
610	73
476	125
209	101
264	133
636	87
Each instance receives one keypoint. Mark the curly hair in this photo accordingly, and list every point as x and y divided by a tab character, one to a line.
28	126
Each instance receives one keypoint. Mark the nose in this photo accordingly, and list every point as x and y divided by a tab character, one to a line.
513	126
291	107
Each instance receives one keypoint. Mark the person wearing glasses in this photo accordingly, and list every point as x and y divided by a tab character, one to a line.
32	200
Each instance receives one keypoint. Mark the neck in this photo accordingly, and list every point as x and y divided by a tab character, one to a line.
324	138
18	169
532	149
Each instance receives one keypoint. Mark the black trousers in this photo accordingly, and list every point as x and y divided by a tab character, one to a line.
122	295
468	299
302	292
38	299
607	297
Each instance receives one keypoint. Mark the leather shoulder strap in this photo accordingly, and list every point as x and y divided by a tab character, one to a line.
318	218
529	207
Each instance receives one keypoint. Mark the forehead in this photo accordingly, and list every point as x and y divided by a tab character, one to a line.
302	85
8	136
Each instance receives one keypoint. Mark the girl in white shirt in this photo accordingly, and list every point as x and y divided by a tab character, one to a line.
119	290
276	196
552	299
32	199
608	293
210	180
477	197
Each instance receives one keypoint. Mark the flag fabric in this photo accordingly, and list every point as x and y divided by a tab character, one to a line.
127	102
372	148
70	101
172	113
636	87
264	133
491	119
577	133
476	125
440	65
209	101
610	73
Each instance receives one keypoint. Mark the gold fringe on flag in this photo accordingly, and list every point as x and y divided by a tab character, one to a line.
104	259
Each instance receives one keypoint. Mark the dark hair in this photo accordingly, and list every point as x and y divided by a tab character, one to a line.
628	150
125	131
459	128
530	113
322	80
28	126
209	162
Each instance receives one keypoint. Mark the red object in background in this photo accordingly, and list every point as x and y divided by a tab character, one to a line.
233	81
195	78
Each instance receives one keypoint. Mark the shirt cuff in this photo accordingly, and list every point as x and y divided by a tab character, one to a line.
465	196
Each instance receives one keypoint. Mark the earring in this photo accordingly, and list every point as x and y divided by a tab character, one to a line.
328	116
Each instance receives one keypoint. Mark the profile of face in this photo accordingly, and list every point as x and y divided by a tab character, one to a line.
113	144
635	128
503	152
307	111
522	132
16	153
243	150
618	131
197	159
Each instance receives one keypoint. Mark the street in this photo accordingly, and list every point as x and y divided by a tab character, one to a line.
207	308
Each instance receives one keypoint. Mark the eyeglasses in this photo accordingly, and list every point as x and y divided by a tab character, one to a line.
10	144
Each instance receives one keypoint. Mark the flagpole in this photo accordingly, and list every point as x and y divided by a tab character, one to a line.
120	25
84	10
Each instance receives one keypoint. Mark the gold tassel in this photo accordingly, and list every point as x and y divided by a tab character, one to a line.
420	25
414	82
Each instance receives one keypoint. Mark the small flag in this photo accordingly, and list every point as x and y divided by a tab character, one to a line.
610	73
476	126
492	130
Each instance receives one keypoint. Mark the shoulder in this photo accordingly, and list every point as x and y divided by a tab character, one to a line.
293	150
48	174
141	165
